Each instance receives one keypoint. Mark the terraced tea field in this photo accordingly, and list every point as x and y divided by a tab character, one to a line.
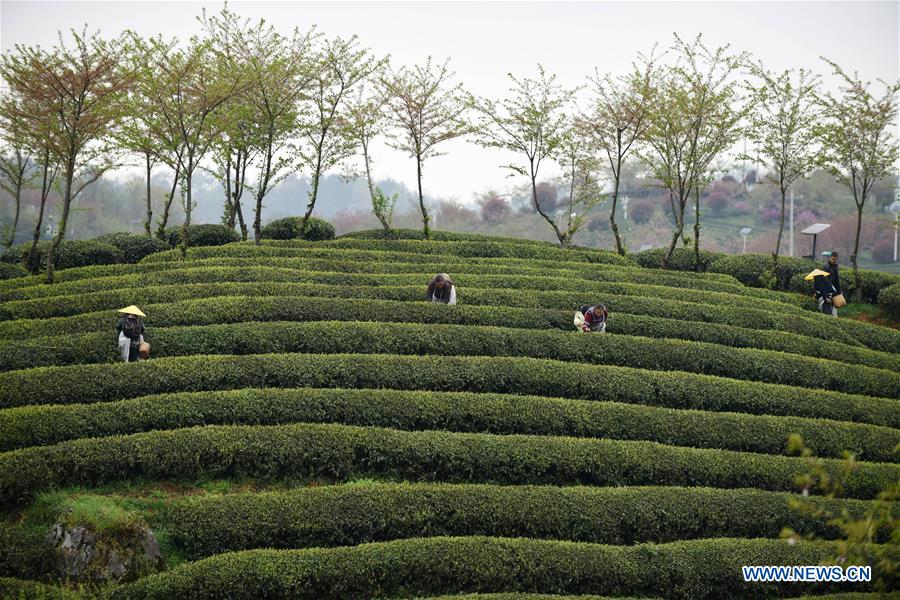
309	427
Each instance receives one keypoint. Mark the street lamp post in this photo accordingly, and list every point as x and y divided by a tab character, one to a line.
895	208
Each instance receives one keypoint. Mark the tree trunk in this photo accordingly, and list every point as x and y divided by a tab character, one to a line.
679	229
426	230
780	232
378	212
620	248
45	192
240	176
537	207
857	294
228	216
260	194
15	225
185	238
161	230
314	193
58	238
149	220
697	228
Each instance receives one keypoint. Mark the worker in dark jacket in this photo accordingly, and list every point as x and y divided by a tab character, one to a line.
824	293
130	329
831	267
594	318
441	289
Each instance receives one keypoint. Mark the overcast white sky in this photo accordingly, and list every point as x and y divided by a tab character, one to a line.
486	40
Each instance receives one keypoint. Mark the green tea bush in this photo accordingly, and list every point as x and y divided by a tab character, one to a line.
693	318
132	246
682	259
337	451
889	300
622	516
527	283
288	228
103	383
211	234
464	412
705	569
12	271
461	340
222	309
872	284
70	254
18	589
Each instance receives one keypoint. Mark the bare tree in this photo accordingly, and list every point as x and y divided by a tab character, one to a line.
428	110
280	69
782	126
16	173
694	117
185	87
340	66
366	119
530	123
577	157
618	119
859	145
78	95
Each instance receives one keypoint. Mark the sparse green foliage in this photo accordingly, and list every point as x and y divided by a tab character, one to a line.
861	537
530	122
860	146
427	110
783	127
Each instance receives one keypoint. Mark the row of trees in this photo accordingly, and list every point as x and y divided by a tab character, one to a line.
253	106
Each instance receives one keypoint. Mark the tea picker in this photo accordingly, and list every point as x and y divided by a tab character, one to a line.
130	328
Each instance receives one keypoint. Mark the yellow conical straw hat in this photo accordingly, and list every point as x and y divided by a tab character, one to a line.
815	273
132	310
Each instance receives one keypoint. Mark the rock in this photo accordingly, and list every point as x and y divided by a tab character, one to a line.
85	556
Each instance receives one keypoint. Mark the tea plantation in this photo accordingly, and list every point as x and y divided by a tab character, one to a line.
309	427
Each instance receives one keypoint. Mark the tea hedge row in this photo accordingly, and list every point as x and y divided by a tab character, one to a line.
340	337
692	315
463	412
19	589
347	515
212	274
464	249
694	570
340	451
372	261
225	309
103	383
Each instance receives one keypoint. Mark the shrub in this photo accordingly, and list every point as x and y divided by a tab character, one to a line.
203	235
71	253
682	259
751	269
889	300
337	451
426	338
133	247
12	271
288	228
872	284
464	412
18	589
621	516
706	569
102	383
604	282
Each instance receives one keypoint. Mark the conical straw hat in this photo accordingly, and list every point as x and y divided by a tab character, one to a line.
132	310
815	273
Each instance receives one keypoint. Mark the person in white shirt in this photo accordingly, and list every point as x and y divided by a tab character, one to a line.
441	289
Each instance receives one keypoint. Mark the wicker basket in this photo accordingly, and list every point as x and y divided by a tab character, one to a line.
144	350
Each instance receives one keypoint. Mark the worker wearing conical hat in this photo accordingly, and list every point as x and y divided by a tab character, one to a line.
131	333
